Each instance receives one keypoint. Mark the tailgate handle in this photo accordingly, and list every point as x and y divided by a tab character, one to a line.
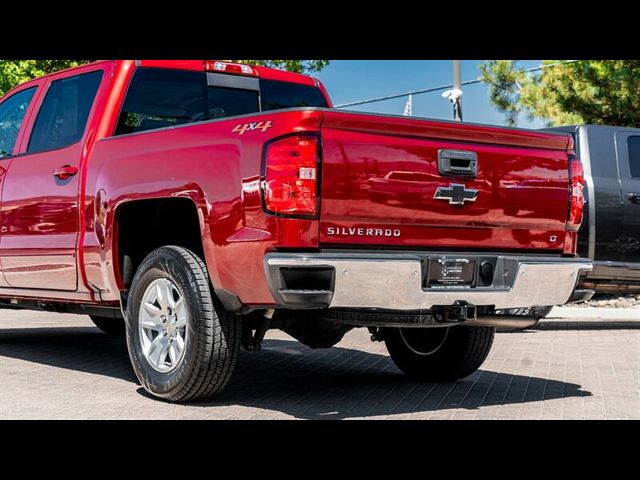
458	163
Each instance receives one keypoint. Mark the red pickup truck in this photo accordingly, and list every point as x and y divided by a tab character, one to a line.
197	204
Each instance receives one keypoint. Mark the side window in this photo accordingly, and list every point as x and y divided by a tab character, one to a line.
64	112
159	98
12	113
633	144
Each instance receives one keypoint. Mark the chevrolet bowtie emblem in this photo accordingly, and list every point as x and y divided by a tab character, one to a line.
456	194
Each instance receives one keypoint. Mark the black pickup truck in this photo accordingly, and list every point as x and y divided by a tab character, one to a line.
610	232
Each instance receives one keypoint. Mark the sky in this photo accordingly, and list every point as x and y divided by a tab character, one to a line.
353	80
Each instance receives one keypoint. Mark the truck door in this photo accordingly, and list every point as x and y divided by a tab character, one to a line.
14	114
40	211
628	152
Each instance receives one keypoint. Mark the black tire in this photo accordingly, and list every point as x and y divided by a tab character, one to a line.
110	326
439	354
213	335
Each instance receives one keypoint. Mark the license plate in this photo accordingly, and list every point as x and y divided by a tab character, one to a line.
451	271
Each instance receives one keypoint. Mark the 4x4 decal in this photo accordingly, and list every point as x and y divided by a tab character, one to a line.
241	128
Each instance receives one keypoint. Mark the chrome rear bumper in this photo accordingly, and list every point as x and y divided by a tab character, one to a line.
394	281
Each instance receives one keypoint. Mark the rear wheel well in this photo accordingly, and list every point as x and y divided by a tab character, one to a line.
144	225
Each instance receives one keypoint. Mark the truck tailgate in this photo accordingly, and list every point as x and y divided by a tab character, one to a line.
380	175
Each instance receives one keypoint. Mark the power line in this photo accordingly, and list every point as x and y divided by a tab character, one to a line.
441	87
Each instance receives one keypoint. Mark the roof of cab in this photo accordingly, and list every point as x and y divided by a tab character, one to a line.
194	65
198	65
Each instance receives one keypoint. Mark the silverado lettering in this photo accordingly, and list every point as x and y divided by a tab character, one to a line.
370	232
133	193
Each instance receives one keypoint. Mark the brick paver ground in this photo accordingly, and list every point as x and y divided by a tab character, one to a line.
60	366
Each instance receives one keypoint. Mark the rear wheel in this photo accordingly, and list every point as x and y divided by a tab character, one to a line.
182	343
439	354
110	326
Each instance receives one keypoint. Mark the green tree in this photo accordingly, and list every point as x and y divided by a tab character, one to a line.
14	72
605	92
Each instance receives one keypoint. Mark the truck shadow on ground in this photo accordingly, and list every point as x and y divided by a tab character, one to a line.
288	377
346	383
83	349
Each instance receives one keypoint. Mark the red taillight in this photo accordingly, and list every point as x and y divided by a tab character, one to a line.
228	67
291	176
576	198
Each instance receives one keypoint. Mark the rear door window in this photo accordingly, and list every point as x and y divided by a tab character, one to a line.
64	112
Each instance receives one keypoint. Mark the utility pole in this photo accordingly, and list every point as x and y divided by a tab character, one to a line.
455	94
457	85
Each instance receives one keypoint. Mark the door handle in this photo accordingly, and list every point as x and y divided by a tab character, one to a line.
65	172
634	197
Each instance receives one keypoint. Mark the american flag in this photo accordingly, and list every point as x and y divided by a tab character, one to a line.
407	107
